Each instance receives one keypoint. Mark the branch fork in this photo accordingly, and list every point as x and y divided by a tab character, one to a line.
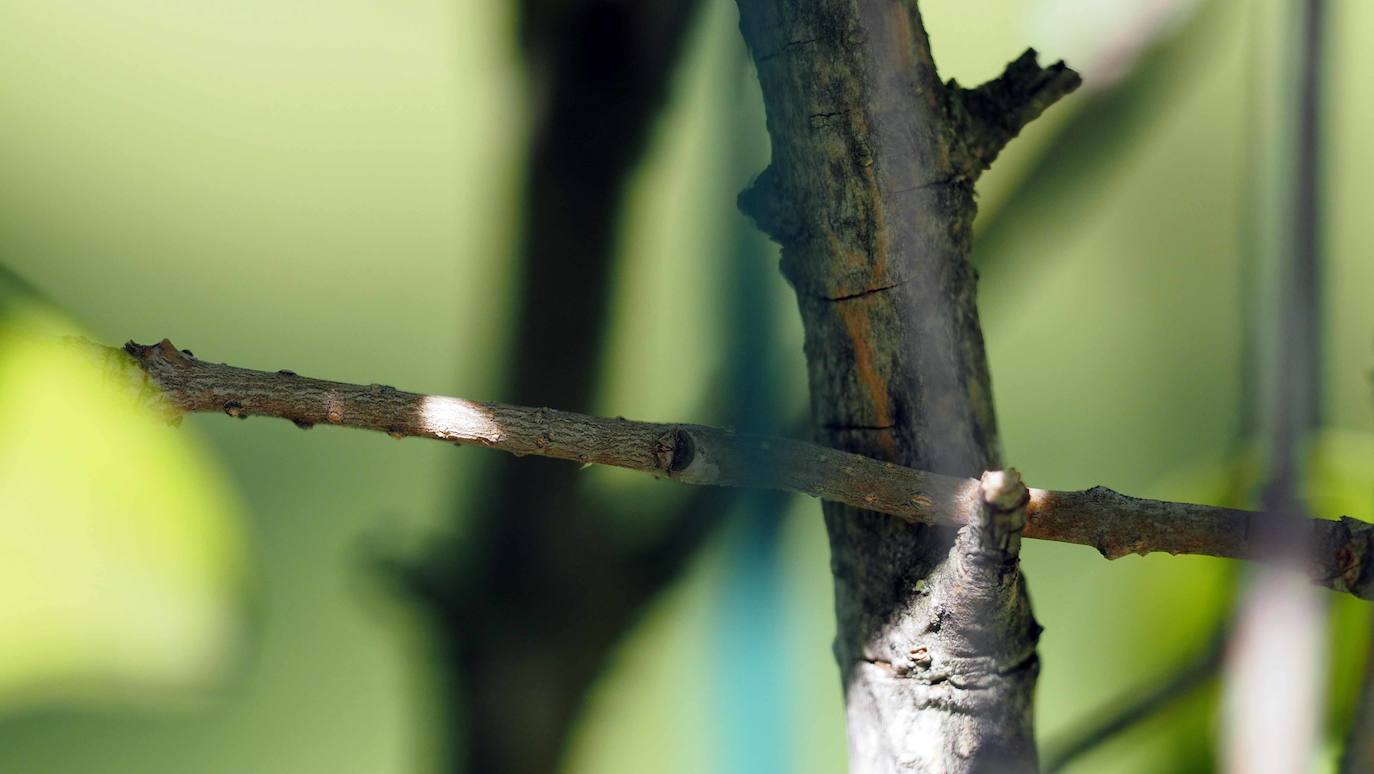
989	116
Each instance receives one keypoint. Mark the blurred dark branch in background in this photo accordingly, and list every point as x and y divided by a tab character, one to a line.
1274	724
1116	525
1358	756
529	607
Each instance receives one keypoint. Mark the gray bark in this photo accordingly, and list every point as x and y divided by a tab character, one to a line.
870	194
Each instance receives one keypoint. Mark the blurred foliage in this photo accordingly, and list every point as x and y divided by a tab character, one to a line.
329	188
121	557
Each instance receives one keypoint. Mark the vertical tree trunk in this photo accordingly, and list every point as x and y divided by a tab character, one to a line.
870	194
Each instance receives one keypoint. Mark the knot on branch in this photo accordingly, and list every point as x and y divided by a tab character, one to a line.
164	350
997	525
674	451
987	117
768	205
1348	566
150	363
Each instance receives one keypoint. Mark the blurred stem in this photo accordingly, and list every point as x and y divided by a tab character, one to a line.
1271	722
1141	704
526	623
1144	88
1358	756
1297	366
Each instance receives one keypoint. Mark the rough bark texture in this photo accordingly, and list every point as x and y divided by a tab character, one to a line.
870	194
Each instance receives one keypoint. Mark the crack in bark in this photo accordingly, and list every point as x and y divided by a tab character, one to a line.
944	182
823	118
791	45
864	292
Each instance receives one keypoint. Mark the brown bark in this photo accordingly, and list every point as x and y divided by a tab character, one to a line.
1114	524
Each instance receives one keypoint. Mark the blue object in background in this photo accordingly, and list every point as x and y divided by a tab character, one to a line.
752	690
749	638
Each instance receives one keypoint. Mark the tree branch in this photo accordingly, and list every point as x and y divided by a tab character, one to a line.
992	114
1113	523
869	192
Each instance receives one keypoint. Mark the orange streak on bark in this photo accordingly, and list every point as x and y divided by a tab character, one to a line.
857	326
849	257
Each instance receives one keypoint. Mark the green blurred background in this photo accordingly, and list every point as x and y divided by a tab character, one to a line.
335	188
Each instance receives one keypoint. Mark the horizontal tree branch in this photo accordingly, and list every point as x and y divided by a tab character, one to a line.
1113	523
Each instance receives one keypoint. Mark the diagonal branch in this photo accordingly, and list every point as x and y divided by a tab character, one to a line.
1113	523
1142	703
992	114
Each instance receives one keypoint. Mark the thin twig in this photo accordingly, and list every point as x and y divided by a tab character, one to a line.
1113	523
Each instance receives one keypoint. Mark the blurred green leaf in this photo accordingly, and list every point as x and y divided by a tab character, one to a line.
120	557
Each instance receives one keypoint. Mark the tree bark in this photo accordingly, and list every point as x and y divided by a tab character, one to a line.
870	194
175	382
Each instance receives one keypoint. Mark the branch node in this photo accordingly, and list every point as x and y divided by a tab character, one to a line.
1003	490
674	450
1002	514
987	117
170	351
767	204
1352	572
